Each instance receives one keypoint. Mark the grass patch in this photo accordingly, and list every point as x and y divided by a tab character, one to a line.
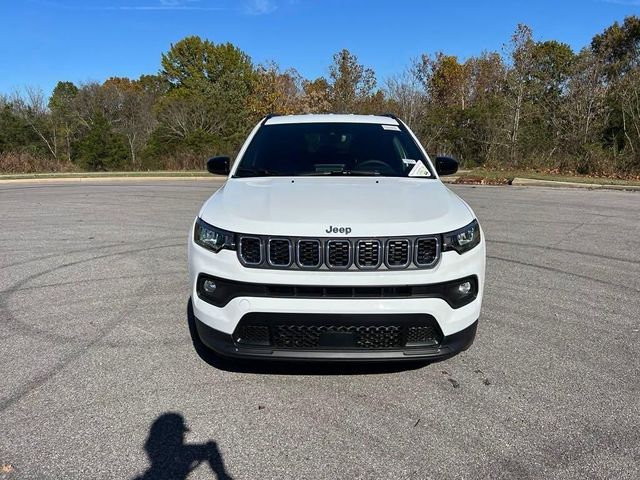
164	173
506	176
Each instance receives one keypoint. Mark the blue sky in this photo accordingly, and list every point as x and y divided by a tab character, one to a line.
43	41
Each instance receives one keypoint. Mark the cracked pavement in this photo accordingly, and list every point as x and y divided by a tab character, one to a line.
98	371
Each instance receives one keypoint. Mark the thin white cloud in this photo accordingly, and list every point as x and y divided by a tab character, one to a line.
157	7
167	5
260	7
247	7
628	3
48	3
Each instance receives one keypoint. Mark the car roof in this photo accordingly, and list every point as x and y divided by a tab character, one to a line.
331	118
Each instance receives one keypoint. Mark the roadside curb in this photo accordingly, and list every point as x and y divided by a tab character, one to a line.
533	182
449	179
109	179
589	186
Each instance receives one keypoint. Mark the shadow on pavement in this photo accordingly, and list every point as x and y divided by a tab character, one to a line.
171	458
293	368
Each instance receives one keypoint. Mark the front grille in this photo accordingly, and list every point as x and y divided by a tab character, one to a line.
311	291
253	335
250	250
422	335
317	336
426	251
338	253
368	254
309	253
314	331
398	253
280	252
305	253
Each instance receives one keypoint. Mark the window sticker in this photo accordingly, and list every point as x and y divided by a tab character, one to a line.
419	170
395	128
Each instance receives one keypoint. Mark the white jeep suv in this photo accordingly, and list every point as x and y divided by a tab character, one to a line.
334	239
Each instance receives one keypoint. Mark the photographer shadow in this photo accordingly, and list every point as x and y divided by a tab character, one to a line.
171	458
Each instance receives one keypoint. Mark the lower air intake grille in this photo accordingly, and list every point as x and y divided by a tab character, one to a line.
253	335
319	331
398	253
422	335
315	336
250	250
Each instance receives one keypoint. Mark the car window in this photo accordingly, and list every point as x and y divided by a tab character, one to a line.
330	149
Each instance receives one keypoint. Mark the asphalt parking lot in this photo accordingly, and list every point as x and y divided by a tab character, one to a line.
98	371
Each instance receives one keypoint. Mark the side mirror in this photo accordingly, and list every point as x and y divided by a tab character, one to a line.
446	165
219	165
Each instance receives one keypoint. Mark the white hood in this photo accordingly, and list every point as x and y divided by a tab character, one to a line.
308	206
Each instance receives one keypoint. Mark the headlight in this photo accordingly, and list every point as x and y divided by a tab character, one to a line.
462	240
212	238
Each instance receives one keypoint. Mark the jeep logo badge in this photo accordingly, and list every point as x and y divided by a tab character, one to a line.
332	229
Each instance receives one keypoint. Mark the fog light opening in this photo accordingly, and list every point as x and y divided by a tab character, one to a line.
464	289
209	286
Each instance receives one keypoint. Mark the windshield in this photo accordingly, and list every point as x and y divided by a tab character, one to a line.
309	149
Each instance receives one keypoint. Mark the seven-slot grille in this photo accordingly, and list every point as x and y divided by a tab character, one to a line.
339	253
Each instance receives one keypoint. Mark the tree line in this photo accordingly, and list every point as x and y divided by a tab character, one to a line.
533	105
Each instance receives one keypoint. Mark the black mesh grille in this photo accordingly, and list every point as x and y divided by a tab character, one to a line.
397	253
426	251
280	252
339	253
422	335
250	250
368	253
253	335
309	253
300	331
317	336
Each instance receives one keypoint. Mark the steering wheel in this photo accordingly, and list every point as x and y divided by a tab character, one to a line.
371	164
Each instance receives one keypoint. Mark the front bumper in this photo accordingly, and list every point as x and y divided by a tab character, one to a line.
218	325
227	346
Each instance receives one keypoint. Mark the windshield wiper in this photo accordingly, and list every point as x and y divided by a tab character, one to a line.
260	172
256	172
362	173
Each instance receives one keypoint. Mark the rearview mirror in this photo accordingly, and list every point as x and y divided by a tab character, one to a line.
219	165
446	165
